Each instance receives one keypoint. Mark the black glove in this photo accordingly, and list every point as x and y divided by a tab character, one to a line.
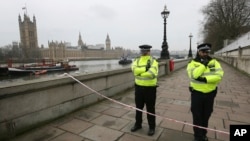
148	65
204	62
202	79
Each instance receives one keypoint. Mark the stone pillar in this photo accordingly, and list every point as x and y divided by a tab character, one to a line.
167	69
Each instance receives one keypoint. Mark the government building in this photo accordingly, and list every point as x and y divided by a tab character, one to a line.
62	50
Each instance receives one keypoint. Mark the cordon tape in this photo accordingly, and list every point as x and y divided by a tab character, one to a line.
115	101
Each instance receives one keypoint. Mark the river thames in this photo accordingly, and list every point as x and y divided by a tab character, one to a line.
85	67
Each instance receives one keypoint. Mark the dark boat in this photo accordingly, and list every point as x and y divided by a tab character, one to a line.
20	72
42	68
37	68
125	61
3	71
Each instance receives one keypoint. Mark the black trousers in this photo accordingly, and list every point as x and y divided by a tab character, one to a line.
201	108
145	96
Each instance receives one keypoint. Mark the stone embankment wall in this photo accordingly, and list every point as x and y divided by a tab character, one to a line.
26	105
238	58
237	53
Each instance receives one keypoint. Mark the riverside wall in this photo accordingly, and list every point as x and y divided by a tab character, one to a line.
238	58
27	105
237	53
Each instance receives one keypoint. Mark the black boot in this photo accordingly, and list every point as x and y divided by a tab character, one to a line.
204	138
151	132
135	128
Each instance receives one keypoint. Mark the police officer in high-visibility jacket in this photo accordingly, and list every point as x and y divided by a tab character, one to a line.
205	73
145	70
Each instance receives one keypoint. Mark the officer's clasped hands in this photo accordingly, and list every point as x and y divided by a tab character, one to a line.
201	79
148	66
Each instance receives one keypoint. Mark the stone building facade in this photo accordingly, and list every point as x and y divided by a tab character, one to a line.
59	50
28	35
28	32
108	43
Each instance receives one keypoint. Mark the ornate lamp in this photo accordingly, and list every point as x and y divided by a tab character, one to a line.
165	52
190	49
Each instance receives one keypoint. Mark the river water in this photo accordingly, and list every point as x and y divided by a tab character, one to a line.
85	67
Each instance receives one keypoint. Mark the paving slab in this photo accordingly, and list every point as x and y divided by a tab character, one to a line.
173	135
129	137
75	126
99	133
45	133
117	112
143	132
87	115
111	122
69	137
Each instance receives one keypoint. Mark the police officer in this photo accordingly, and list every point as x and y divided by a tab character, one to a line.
145	70
205	73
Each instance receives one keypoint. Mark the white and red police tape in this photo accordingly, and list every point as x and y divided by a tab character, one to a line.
115	101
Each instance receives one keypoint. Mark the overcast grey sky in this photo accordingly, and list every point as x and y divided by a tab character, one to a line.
129	23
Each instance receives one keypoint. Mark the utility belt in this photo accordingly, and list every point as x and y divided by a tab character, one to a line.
198	92
145	87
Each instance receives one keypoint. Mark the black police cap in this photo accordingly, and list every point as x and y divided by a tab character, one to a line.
145	47
204	46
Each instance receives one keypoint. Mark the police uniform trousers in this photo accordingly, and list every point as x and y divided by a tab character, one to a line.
145	95
201	108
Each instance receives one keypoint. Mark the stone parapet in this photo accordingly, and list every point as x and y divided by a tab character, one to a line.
29	104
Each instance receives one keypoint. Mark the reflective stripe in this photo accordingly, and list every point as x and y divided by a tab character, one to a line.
134	66
138	60
208	74
151	62
197	82
141	66
143	78
152	73
214	71
192	76
154	68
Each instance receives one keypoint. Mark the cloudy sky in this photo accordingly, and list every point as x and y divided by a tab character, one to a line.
129	23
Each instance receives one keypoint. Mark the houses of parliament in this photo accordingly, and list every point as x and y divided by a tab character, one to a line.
62	50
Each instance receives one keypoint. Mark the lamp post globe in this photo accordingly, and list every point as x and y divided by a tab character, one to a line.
165	52
190	48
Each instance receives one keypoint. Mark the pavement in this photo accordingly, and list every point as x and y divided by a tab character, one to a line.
110	121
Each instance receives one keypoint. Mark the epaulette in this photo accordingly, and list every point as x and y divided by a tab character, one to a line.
190	61
137	57
153	58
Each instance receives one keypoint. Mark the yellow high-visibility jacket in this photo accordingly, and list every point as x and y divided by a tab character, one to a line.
212	72
143	77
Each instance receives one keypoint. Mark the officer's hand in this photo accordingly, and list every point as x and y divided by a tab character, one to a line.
147	67
202	79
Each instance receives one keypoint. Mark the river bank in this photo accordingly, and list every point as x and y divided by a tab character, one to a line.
85	67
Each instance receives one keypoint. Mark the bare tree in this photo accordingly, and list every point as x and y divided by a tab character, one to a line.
225	19
18	54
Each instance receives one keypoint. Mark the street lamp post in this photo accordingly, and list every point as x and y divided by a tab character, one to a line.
164	52
190	49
